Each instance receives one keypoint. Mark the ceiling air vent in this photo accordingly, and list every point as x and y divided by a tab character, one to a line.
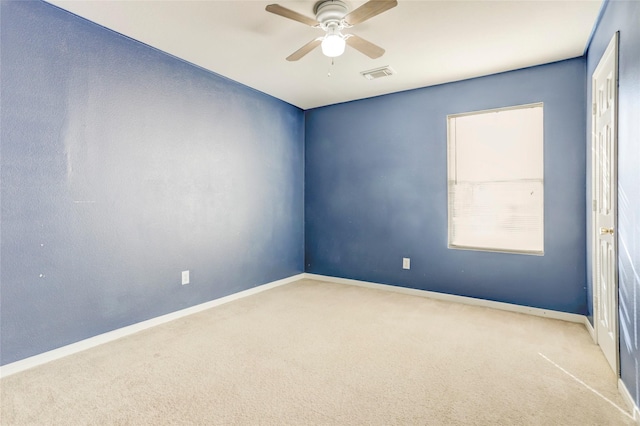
378	73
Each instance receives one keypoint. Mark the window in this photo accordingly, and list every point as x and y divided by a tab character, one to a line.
495	180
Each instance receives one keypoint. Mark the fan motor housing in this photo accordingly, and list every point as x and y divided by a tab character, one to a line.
330	11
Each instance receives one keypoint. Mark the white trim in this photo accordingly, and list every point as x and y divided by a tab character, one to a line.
547	313
591	330
626	396
45	357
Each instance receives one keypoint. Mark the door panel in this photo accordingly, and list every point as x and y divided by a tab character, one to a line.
605	272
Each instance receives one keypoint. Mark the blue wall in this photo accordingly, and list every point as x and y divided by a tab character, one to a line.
122	166
624	16
376	190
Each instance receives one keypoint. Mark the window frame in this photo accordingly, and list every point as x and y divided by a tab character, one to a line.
451	168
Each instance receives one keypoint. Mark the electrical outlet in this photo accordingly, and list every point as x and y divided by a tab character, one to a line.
406	263
185	277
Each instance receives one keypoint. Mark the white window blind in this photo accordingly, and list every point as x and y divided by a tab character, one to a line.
495	179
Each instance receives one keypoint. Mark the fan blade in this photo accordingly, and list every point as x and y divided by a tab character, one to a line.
288	13
304	49
369	10
371	50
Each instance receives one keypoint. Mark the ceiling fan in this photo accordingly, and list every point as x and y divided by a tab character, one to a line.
333	16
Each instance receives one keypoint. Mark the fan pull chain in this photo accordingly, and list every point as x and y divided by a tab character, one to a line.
329	70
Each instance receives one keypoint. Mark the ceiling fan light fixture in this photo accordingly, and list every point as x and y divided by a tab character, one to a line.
333	16
333	45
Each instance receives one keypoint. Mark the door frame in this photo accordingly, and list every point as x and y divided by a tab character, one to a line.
612	49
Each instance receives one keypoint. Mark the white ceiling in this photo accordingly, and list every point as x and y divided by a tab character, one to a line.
426	42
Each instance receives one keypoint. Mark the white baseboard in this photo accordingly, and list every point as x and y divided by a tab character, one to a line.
591	330
565	316
624	392
45	357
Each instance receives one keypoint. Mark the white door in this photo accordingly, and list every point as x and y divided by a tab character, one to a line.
605	187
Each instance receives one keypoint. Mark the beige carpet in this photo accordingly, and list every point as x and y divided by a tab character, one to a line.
320	353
